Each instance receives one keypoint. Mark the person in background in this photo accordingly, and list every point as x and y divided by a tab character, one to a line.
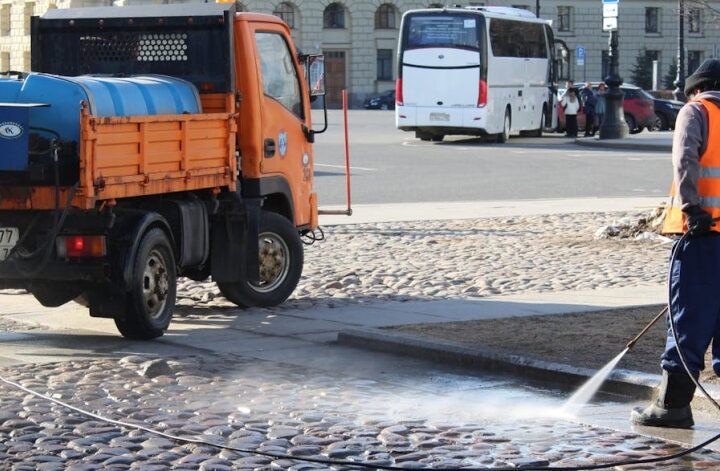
571	104
588	103
694	298
600	105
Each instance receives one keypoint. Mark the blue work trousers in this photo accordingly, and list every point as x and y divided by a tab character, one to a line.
695	304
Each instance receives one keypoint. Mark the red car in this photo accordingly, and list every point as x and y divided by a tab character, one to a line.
639	107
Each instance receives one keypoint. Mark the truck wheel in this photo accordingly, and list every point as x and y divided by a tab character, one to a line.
281	264
151	293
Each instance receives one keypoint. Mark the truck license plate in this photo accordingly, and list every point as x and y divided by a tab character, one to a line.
439	117
8	239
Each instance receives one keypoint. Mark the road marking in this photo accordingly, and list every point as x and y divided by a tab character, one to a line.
351	168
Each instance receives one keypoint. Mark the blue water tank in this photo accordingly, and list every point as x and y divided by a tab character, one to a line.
9	89
106	97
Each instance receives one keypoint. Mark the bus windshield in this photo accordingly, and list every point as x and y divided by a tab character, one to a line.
458	31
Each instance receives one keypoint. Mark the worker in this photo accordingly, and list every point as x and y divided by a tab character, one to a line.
695	273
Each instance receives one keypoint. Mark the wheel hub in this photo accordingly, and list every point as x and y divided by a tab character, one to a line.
155	284
274	262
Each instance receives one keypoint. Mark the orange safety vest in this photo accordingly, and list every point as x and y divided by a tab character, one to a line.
708	184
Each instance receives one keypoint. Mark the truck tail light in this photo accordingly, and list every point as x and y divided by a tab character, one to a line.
398	92
80	246
482	94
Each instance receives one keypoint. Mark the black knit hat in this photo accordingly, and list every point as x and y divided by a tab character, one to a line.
709	71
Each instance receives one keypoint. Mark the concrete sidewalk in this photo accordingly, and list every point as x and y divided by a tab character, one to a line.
658	141
448	210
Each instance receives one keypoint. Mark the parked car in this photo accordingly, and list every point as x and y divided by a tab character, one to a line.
381	101
638	106
666	112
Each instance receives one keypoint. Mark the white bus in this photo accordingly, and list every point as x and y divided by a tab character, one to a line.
475	71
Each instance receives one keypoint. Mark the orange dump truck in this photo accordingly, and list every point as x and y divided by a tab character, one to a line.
151	143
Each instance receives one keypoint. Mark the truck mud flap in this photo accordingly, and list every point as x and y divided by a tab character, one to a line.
235	244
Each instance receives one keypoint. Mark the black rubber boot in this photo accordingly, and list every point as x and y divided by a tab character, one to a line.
672	407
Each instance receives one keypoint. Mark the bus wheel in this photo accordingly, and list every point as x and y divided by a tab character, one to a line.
150	298
438	137
423	136
504	136
281	264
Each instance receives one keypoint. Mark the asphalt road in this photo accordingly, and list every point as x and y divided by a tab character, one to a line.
391	166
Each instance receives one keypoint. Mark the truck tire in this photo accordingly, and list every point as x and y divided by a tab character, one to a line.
150	298
281	264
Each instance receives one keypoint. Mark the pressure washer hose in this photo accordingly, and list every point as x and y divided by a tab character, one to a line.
368	465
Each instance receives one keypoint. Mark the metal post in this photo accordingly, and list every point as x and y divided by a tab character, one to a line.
679	92
614	126
537	8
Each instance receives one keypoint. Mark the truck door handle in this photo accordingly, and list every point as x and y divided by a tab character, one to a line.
269	147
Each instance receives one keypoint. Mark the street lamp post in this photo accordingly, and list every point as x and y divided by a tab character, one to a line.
614	126
679	93
537	8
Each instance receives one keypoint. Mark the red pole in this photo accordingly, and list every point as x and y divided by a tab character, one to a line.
347	151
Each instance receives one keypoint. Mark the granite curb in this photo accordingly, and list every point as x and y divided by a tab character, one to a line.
637	384
627	143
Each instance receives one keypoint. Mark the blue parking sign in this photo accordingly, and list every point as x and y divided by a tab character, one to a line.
580	55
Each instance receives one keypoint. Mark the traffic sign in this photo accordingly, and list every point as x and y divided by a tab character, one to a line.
610	10
580	55
610	24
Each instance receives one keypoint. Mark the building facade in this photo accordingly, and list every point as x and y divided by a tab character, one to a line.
359	37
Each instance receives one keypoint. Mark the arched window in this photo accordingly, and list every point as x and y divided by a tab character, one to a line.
286	12
385	17
334	16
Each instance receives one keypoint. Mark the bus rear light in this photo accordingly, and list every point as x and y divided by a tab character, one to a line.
399	92
79	246
482	94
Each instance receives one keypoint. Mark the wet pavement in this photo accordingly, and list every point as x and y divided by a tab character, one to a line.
427	417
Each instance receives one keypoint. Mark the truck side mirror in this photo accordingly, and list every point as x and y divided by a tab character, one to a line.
315	72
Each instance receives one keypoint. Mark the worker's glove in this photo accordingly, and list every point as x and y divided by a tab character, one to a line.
699	221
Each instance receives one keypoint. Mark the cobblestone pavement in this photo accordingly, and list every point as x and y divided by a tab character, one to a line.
280	408
464	259
284	409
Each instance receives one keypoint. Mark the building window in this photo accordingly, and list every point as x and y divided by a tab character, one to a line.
27	16
385	17
4	61
652	20
334	16
438	5
286	12
695	58
522	7
694	20
5	20
565	15
384	64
